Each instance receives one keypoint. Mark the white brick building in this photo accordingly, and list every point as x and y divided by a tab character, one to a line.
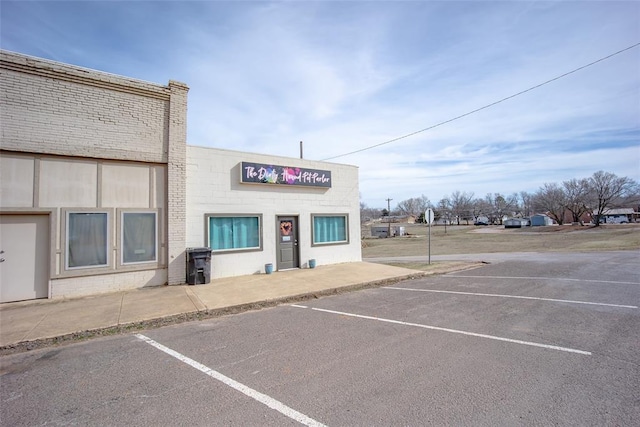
285	225
99	191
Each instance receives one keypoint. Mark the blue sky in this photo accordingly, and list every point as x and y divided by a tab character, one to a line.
345	75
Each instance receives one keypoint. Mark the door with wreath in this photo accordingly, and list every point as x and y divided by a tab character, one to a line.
287	244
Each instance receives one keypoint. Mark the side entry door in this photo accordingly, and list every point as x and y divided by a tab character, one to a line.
24	257
287	244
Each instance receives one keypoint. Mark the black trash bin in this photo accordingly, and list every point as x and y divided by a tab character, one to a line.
198	266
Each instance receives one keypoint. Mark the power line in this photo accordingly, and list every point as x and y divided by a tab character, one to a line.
486	106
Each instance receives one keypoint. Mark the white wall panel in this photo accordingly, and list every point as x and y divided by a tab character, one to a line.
68	183
16	181
125	185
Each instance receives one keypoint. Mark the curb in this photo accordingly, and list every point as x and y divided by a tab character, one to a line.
124	328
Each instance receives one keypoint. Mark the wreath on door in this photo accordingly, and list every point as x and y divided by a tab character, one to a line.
286	227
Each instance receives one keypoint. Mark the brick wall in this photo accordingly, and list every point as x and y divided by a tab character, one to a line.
92	285
176	188
54	108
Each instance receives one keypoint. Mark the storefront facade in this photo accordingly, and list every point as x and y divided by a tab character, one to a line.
99	191
252	210
92	181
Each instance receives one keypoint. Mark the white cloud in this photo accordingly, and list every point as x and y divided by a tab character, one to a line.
342	76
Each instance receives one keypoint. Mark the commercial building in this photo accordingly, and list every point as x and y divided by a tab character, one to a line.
254	209
94	194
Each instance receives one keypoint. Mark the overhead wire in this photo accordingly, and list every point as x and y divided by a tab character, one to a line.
486	106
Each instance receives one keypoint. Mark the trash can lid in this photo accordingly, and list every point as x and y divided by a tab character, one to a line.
198	249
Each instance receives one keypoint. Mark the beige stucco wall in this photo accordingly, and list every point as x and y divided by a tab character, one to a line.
214	187
16	181
58	184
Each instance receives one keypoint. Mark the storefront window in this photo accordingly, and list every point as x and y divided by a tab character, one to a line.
330	229
234	232
139	237
87	235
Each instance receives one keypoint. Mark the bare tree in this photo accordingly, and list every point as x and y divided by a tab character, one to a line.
550	199
527	203
593	195
576	192
512	206
607	190
460	204
367	213
414	206
481	207
500	206
443	210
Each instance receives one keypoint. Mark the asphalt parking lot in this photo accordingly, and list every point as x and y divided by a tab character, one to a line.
552	340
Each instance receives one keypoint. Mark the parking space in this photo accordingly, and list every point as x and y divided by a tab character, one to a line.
510	343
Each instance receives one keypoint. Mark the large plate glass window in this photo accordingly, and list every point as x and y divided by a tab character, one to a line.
87	238
139	237
234	233
330	229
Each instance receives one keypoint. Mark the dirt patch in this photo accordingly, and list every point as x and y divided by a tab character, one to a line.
489	230
557	228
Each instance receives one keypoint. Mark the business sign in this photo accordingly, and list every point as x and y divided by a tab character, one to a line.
259	173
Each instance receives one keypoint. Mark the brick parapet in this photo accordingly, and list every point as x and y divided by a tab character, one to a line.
71	73
61	109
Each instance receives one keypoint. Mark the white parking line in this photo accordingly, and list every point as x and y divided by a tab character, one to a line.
510	296
454	331
260	397
453	275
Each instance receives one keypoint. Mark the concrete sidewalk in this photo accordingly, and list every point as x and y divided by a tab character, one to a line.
29	321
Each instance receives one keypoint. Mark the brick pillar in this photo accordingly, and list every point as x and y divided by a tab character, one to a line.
176	183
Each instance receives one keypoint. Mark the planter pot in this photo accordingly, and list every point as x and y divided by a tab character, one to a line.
268	268
312	263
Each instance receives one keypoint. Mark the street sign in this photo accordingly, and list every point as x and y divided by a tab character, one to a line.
428	216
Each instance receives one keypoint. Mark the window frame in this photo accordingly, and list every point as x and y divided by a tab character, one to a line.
330	215
121	213
108	240
207	222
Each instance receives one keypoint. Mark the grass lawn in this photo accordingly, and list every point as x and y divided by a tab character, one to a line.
472	239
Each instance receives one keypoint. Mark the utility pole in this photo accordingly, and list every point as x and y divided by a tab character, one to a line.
389	216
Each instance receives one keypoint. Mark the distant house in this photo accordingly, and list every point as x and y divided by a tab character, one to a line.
408	219
539	220
567	217
618	216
